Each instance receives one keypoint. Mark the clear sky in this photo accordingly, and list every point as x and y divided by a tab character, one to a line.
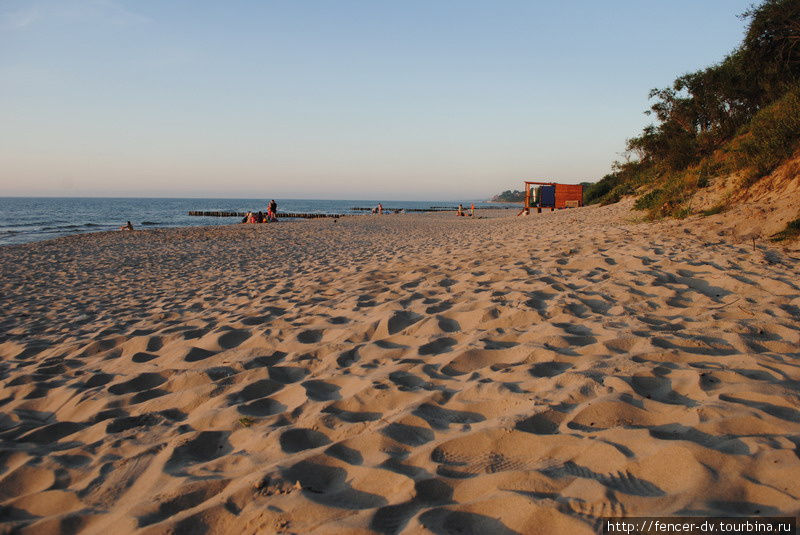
411	99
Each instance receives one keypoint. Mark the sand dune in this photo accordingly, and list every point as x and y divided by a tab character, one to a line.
418	374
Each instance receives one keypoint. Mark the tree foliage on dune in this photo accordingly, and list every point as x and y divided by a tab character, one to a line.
510	196
740	114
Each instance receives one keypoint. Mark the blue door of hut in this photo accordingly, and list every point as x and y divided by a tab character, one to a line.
548	196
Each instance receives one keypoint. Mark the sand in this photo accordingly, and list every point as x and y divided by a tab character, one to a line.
398	373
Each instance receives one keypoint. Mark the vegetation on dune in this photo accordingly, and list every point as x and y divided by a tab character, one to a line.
740	115
791	231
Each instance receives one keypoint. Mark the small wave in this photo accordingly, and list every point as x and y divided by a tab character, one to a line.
150	223
71	227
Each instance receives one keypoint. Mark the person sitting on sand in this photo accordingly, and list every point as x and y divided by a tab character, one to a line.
260	217
251	218
126	227
460	210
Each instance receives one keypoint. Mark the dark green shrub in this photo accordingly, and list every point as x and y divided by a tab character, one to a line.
595	192
774	134
649	200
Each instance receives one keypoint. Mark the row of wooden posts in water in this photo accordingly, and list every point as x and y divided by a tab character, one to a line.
244	214
218	213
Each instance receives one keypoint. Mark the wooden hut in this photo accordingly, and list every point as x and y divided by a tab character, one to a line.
552	195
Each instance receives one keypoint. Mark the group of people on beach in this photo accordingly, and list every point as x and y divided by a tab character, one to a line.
379	210
260	217
461	212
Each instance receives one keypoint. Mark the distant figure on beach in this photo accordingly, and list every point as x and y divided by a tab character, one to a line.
472	209
251	218
126	227
272	211
260	217
460	211
380	209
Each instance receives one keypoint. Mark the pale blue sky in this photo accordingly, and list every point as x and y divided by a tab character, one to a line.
436	99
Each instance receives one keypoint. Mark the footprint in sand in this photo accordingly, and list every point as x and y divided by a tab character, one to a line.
544	423
141	357
448	325
261	407
255	320
255	390
438	346
438	308
98	379
393	518
410	435
659	389
321	391
296	440
190	494
442	520
196	354
352	417
140	383
204	447
549	369
345	454
348	357
265	361
407	382
327	485
154	343
233	338
311	336
441	418
402	319
287	374
50	434
131	422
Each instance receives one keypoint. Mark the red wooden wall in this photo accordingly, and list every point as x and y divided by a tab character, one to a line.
568	192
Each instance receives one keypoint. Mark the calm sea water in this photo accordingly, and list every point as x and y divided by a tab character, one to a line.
28	219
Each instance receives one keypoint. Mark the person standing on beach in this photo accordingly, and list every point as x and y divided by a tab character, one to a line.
380	209
272	211
472	209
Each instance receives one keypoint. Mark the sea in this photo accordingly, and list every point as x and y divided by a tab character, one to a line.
29	219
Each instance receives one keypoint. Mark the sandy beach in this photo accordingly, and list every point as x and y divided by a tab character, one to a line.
402	373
